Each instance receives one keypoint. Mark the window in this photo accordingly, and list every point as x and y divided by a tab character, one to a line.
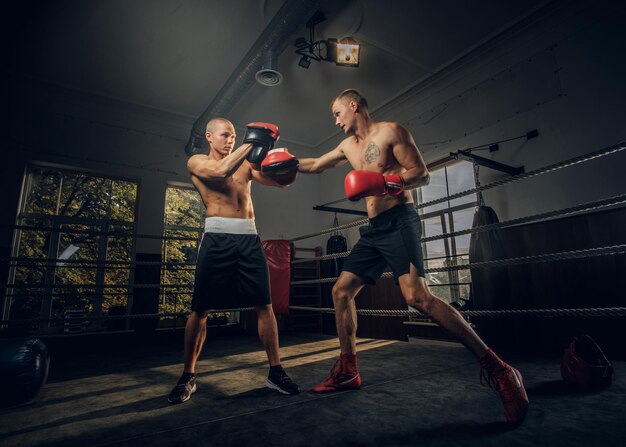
447	217
73	246
182	230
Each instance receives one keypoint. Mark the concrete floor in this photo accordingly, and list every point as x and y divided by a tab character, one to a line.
417	393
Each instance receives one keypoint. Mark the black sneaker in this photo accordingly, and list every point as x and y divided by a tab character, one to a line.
182	391
281	382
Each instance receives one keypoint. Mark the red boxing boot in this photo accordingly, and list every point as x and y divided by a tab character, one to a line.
343	376
507	381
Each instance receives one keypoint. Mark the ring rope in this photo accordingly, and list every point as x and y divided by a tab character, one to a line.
87	263
579	312
94	286
572	161
588	312
574	254
128	233
354	223
116	317
523	176
84	263
588	206
60	294
553	167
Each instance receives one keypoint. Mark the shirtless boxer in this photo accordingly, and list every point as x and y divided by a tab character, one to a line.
387	163
231	271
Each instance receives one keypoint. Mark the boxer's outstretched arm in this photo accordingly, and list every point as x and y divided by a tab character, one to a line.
331	159
206	168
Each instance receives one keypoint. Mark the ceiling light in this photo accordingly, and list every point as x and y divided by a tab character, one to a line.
344	52
348	51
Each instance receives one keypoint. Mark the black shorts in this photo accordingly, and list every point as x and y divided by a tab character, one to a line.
393	238
231	272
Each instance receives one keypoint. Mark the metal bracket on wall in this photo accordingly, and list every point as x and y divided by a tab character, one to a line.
339	210
482	161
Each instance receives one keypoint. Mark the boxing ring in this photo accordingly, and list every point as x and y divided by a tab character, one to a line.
421	392
606	203
618	249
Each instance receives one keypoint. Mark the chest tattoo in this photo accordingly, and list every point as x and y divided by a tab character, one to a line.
372	152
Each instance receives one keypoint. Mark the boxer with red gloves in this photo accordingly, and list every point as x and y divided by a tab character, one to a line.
387	165
280	166
359	184
222	177
262	136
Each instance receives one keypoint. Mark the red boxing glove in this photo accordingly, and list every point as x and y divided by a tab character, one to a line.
280	166
359	184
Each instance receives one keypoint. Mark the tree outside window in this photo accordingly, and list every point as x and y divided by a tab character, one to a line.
183	228
447	217
73	247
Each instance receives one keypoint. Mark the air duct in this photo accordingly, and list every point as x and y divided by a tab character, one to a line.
268	75
271	42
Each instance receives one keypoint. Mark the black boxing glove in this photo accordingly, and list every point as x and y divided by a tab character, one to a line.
262	136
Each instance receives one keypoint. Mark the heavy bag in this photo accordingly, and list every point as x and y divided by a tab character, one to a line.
23	370
278	255
490	286
336	244
585	365
331	268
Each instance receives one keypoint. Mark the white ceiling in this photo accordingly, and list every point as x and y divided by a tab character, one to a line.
174	56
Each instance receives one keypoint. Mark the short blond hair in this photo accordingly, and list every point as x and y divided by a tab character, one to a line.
348	95
210	126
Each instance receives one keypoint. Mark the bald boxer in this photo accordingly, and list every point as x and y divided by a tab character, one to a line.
231	271
387	164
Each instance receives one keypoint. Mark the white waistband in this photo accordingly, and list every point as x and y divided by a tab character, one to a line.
231	225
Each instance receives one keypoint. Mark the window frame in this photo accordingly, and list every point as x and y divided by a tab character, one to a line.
55	228
447	225
163	292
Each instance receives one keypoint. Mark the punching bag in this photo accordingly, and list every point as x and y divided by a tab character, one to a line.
278	256
331	268
23	370
336	244
490	286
